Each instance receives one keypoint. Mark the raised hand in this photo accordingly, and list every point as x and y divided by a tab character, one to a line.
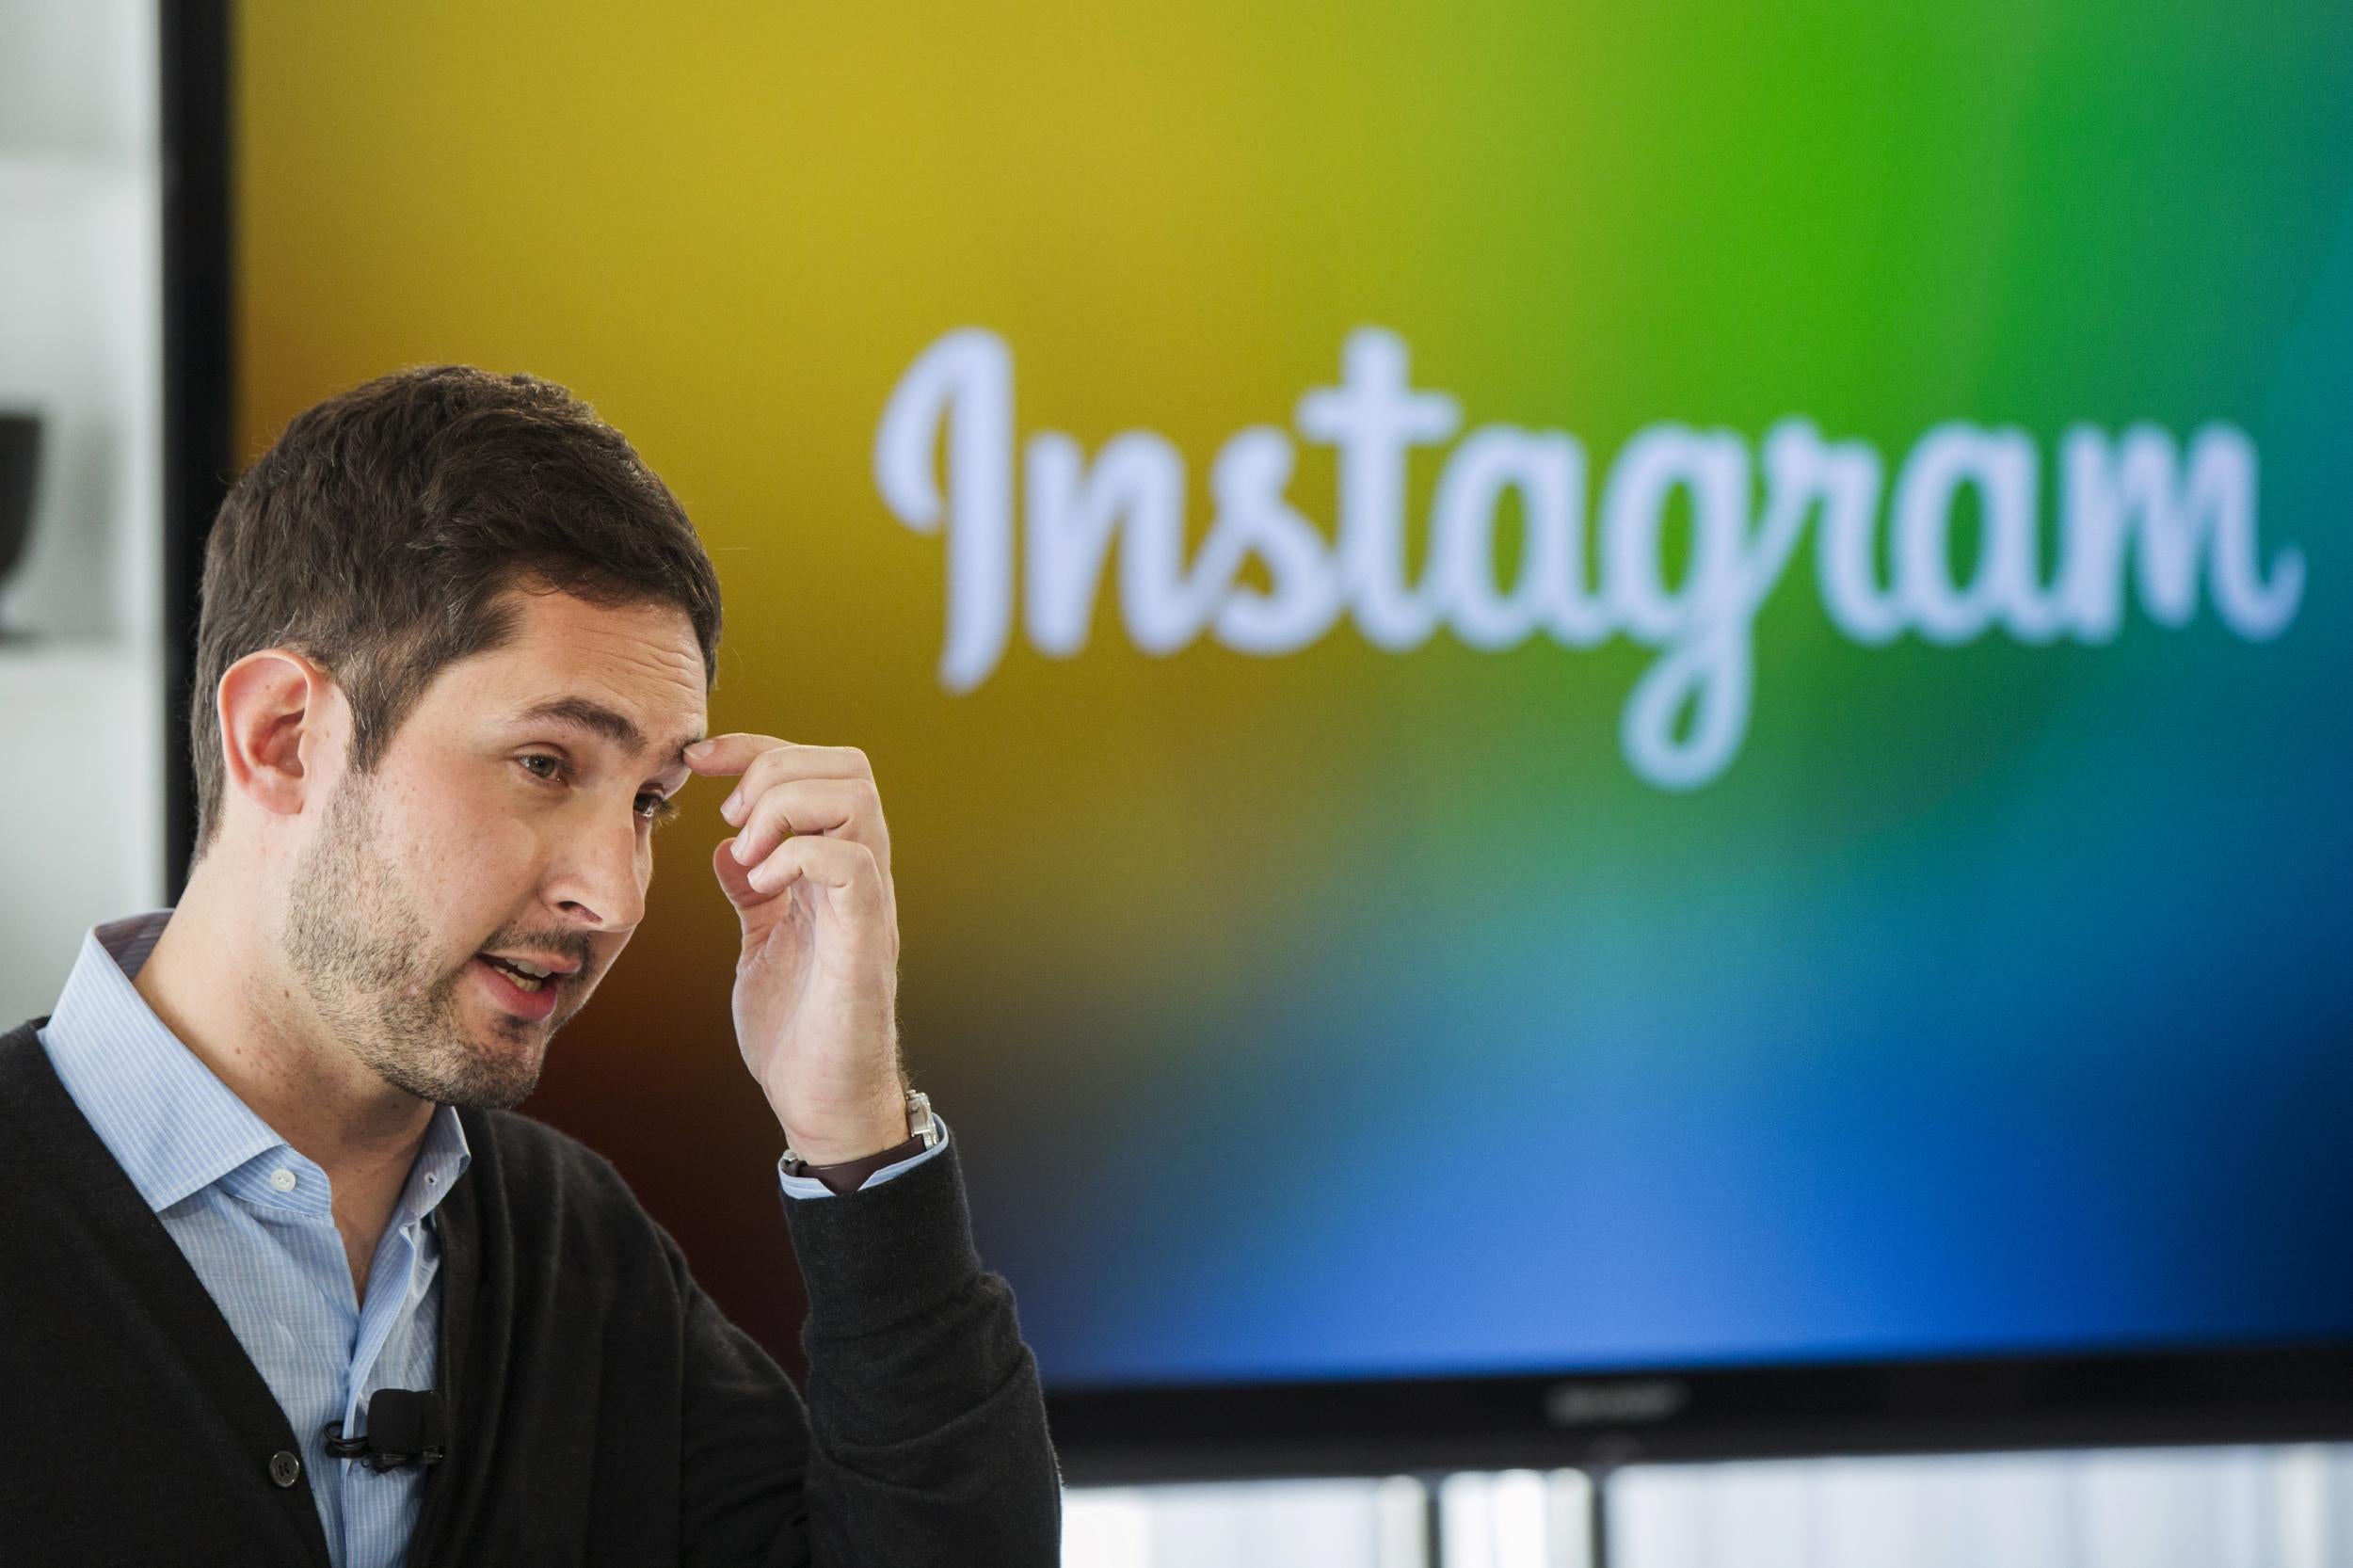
817	981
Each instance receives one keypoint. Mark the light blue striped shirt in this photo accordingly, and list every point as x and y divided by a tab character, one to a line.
256	1221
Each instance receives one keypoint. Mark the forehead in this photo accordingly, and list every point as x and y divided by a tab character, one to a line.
632	673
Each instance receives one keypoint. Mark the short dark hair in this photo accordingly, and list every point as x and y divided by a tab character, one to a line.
379	535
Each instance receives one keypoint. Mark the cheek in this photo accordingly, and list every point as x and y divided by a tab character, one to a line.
461	848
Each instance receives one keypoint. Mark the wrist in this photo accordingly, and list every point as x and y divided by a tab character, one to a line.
834	1141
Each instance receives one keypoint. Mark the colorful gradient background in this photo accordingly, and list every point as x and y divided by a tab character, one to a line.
1352	1013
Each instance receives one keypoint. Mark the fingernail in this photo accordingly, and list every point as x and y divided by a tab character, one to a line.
734	802
739	850
699	750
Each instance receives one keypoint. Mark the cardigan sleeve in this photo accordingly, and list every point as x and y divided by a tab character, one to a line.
811	1187
923	1439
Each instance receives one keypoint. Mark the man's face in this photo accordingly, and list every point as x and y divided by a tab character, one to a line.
487	830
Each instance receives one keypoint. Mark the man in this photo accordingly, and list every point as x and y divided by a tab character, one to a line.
259	1165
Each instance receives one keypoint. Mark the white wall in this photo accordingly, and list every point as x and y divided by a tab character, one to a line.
81	683
2289	1507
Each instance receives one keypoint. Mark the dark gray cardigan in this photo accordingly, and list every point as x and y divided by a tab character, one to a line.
602	1410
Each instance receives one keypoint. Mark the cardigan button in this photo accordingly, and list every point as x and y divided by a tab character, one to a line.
285	1469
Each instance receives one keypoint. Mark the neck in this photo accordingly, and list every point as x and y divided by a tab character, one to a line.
216	981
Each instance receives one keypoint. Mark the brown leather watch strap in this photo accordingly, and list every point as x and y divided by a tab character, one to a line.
851	1174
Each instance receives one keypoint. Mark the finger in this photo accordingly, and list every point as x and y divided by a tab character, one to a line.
839	808
728	754
735	880
723	756
777	876
846	872
782	763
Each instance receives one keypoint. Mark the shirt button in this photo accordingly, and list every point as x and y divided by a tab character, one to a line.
285	1469
283	1179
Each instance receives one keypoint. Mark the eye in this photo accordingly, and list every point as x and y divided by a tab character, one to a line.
654	807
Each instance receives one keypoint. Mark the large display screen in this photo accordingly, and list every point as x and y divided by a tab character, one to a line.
1560	686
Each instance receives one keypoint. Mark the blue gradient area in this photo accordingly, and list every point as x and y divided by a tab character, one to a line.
2058	1062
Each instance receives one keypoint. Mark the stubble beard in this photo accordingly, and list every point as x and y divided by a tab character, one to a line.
353	940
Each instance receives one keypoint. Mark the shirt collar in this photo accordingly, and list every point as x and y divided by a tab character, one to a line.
172	1125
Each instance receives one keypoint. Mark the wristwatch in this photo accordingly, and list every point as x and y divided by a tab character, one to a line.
851	1174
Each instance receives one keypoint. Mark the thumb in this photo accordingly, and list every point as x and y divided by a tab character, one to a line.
735	880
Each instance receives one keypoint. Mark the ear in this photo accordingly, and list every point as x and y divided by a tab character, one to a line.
278	715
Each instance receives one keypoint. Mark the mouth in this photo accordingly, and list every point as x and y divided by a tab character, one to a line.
515	991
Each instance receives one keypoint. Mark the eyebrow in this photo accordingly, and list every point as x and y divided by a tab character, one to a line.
583	713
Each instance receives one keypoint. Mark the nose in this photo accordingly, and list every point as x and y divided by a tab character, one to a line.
598	879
